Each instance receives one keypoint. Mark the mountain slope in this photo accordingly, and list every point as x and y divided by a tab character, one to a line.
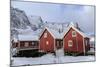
19	19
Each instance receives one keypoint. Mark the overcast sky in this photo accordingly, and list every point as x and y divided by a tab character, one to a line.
84	15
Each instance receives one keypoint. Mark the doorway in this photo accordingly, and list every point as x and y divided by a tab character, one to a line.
59	44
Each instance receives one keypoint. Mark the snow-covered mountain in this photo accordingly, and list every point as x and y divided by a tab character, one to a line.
35	21
20	21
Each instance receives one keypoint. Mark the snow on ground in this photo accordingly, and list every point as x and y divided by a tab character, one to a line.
76	59
49	59
13	51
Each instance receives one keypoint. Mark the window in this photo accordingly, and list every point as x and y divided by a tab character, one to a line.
70	43
26	44
47	42
73	33
45	35
33	43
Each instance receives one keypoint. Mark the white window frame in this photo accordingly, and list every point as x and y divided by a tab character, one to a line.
70	41
73	33
45	35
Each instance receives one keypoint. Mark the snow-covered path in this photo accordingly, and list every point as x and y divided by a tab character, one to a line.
50	59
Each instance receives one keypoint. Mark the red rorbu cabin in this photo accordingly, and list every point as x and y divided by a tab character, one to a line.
50	40
75	41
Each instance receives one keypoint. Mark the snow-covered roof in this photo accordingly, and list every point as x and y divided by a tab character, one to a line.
80	32
54	30
56	25
54	33
28	34
28	37
57	31
25	31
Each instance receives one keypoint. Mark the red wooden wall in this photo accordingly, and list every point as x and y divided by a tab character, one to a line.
77	42
42	42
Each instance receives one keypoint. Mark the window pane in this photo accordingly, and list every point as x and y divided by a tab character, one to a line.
73	33
70	43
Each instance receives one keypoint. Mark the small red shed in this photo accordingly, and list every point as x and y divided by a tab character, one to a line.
50	40
75	40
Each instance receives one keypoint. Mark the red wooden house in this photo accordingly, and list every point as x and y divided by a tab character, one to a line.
75	41
27	45
27	42
50	40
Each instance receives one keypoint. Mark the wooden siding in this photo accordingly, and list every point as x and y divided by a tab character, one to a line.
43	46
77	42
29	44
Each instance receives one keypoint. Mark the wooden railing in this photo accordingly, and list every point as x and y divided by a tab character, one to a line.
28	48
